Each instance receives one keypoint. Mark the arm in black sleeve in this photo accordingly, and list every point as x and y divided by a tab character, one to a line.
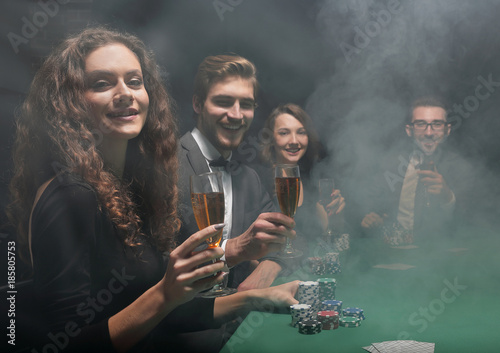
63	234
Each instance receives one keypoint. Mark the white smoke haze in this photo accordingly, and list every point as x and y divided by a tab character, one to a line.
353	65
388	53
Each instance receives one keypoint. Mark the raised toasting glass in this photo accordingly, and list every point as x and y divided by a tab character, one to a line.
207	199
427	164
326	187
287	180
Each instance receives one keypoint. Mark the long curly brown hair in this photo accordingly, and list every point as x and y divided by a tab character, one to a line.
56	133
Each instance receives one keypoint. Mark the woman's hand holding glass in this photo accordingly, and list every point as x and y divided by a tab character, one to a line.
185	277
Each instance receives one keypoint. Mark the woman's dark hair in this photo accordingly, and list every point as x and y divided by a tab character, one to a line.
315	150
56	133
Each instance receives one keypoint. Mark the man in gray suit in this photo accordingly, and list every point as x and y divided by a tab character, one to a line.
224	103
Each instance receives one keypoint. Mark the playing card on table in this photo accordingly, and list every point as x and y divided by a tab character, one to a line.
402	346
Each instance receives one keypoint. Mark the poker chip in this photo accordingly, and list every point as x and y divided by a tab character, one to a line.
332	305
328	264
310	327
329	319
354	312
342	243
327	288
332	263
300	312
316	265
349	321
308	293
395	235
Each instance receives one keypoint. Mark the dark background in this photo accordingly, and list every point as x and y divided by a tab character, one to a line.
358	99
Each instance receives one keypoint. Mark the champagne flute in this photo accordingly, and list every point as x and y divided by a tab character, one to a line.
207	199
287	181
428	164
326	187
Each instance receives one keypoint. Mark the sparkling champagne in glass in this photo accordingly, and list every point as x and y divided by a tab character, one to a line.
287	180
207	199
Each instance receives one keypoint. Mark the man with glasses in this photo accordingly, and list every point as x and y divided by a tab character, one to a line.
417	189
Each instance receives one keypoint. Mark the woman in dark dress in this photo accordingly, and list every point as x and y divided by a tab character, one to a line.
94	198
295	141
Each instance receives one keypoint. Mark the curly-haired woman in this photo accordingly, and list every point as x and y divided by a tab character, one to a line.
94	198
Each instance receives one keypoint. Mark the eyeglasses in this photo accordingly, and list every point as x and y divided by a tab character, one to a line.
436	125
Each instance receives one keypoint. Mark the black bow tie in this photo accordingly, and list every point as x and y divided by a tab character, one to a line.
219	162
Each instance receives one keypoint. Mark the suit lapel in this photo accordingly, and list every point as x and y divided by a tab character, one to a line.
195	157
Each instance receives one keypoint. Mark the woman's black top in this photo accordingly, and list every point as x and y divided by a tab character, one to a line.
84	274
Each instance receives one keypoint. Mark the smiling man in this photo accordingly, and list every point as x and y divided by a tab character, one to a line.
419	190
224	102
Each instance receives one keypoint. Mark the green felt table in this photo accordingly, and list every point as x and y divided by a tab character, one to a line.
450	296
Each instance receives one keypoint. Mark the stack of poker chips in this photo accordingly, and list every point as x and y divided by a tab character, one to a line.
310	327
349	321
341	243
327	288
332	305
308	293
300	312
331	262
396	235
354	312
329	319
316	265
328	264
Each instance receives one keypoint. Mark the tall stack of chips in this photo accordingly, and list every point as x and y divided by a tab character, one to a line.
308	293
332	263
327	288
300	312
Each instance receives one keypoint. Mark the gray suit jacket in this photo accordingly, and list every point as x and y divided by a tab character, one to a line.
250	197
